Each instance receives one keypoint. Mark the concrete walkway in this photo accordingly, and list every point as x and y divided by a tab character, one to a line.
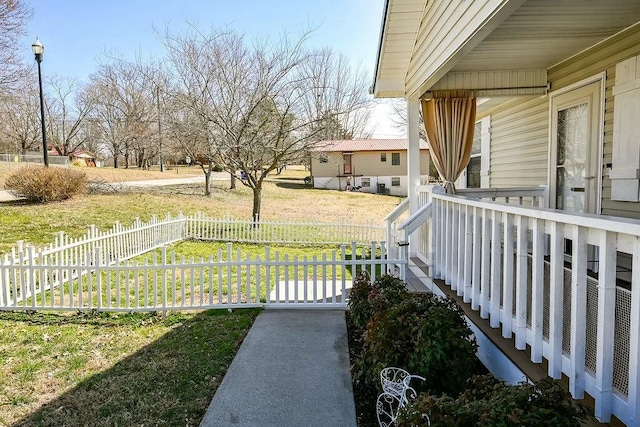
291	370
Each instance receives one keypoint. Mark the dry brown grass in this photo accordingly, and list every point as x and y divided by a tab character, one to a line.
283	197
111	174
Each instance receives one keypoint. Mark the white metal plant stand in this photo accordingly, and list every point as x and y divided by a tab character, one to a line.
396	392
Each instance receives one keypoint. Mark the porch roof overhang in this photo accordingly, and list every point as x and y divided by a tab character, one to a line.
500	48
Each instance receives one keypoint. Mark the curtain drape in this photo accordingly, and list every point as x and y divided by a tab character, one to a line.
449	120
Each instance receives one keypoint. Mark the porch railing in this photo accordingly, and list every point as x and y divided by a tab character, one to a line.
550	280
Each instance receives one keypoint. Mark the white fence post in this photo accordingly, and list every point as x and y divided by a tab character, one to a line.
606	326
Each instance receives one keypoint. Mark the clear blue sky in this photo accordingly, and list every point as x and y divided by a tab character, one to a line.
77	32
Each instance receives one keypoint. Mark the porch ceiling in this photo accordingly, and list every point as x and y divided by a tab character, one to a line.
536	36
542	33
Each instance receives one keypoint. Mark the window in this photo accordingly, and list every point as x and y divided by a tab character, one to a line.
383	157
324	158
473	169
365	182
395	181
395	159
476	175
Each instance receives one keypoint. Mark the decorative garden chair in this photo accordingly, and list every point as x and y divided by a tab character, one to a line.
396	393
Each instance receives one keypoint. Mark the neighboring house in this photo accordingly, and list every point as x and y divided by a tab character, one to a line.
367	165
556	90
83	158
76	158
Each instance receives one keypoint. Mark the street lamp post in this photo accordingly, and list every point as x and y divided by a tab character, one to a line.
38	51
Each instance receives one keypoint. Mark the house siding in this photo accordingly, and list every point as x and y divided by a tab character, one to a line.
520	131
519	144
603	58
366	164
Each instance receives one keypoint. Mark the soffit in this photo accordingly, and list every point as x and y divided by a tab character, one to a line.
399	28
542	33
536	36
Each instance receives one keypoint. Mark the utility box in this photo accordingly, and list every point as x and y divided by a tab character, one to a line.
382	188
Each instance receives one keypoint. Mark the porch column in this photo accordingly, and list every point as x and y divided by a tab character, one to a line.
413	153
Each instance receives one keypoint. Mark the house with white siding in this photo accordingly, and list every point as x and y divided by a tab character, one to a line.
546	248
368	165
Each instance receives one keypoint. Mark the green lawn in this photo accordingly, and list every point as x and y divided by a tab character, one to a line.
106	369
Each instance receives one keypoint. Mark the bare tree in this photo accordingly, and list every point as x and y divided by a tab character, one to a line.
337	102
123	107
14	15
252	102
20	125
68	109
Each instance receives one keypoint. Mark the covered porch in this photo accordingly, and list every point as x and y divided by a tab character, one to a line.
546	251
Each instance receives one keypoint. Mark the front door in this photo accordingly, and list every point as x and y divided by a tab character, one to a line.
575	168
347	163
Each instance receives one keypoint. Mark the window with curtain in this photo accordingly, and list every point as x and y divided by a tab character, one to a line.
383	157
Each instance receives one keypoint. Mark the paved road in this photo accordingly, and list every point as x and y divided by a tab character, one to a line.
292	370
6	196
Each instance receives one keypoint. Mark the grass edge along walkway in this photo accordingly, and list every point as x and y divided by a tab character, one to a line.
105	369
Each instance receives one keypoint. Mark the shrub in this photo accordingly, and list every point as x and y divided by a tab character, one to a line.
42	184
367	299
425	335
489	401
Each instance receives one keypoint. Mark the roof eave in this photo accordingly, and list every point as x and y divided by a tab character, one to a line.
373	89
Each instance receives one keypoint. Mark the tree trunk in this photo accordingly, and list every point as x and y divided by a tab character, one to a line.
233	182
207	182
257	199
115	161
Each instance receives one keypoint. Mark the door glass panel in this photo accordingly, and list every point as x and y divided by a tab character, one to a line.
347	164
573	134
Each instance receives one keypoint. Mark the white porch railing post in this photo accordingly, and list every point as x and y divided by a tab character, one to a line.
556	299
446	218
436	246
460	242
634	338
455	247
507	276
578	312
496	255
405	260
537	290
522	259
468	253
485	269
477	259
606	326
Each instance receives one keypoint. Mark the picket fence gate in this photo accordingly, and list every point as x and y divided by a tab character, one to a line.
97	272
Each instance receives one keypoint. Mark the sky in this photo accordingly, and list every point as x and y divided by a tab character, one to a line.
77	34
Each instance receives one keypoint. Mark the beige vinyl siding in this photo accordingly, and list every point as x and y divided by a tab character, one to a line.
519	144
603	57
444	28
333	166
367	163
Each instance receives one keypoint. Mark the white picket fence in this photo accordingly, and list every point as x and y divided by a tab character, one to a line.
283	231
96	272
162	282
